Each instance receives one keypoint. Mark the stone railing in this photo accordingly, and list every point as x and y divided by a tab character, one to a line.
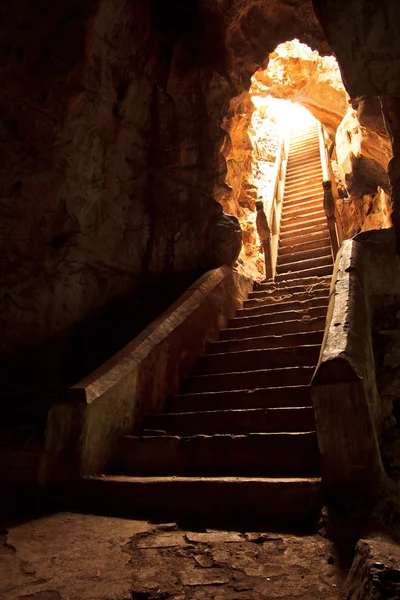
330	196
346	401
83	428
270	222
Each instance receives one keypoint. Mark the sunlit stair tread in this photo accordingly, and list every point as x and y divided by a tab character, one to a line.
216	497
285	454
234	421
304	255
299	237
307	216
313	244
302	161
280	328
303	170
276	296
306	191
302	265
263	342
294	231
306	207
250	360
322	270
305	224
303	183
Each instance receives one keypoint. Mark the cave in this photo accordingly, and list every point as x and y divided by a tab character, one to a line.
200	299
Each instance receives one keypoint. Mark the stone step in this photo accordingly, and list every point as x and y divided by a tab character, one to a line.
192	497
303	173
273	397
279	306
311	234
296	149
318	195
275	295
303	182
314	272
302	208
250	360
281	328
276	317
304	255
293	204
293	233
248	380
306	264
307	216
301	170
311	152
306	160
233	421
306	191
271	341
263	454
315	243
299	286
309	221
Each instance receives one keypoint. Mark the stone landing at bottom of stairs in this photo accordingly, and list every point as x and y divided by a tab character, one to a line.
69	556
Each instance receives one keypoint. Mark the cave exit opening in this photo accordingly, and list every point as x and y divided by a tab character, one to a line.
300	87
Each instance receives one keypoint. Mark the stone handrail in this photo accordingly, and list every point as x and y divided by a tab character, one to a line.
344	393
112	401
275	210
328	183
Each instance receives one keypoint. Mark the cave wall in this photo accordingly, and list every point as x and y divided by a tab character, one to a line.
110	138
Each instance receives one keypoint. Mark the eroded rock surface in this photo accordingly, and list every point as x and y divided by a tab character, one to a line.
82	556
111	133
375	573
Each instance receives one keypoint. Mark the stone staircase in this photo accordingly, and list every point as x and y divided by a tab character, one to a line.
240	437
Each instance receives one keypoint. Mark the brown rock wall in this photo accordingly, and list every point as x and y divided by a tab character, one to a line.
111	134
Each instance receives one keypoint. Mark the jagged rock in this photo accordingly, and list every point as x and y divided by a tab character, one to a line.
375	572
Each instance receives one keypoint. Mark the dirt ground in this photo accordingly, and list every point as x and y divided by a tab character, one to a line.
68	556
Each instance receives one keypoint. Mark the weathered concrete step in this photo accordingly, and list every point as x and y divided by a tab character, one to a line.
300	191
304	231
305	264
305	175
273	397
301	285
236	421
265	309
295	238
302	207
299	149
314	272
311	166
248	380
274	295
263	454
307	223
308	216
215	497
315	243
307	158
304	255
297	326
277	317
271	341
251	360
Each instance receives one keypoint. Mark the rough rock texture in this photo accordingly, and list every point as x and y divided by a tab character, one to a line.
375	573
297	73
111	131
70	556
363	156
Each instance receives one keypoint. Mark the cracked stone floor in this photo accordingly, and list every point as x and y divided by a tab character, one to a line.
67	556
